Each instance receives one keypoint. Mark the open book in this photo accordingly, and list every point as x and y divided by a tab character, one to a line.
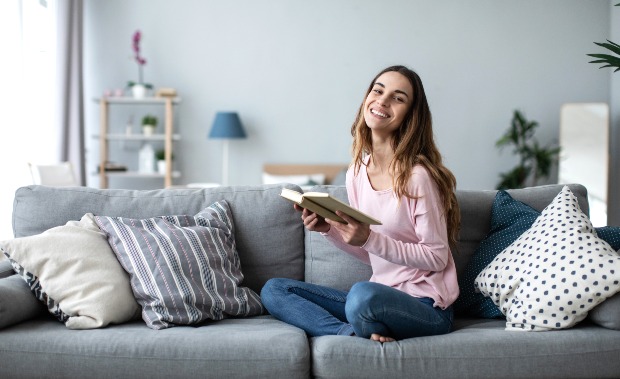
326	206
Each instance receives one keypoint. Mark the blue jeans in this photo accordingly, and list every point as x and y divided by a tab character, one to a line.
366	309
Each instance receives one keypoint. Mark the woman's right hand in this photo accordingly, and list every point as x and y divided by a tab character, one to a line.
312	221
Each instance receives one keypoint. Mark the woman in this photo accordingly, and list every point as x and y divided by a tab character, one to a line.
396	176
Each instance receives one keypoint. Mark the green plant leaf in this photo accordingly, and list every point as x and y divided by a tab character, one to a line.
514	178
534	160
545	159
525	128
146	85
149	120
530	128
612	46
503	141
161	155
607	60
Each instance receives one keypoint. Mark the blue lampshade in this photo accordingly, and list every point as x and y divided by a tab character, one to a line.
227	125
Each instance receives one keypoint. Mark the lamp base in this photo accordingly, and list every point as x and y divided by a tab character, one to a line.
225	163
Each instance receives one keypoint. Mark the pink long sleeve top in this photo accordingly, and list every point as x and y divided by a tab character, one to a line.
410	250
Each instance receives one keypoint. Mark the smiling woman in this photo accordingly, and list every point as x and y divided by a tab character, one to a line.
396	176
27	76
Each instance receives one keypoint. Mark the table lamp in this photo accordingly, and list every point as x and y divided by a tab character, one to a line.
226	126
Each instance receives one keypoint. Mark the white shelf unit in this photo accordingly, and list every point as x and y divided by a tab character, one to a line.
168	137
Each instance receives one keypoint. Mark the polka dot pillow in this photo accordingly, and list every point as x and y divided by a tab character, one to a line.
554	273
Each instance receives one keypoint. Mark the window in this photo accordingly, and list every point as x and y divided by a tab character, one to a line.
27	74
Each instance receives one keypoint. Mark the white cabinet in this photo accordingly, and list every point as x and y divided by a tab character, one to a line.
107	136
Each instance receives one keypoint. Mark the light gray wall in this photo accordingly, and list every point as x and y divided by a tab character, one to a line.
296	72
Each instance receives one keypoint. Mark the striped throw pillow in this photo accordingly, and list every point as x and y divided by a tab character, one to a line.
183	269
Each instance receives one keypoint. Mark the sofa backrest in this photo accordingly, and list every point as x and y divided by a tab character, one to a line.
327	265
268	230
271	239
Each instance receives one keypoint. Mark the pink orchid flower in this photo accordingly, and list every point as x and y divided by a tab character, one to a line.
137	37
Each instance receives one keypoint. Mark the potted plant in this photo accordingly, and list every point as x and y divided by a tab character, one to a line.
160	156
608	60
535	161
149	123
138	89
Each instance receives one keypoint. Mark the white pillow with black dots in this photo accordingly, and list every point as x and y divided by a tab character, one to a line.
554	273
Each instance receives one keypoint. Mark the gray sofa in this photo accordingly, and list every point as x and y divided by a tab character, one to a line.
272	242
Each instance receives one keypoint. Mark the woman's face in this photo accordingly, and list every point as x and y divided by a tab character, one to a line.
387	103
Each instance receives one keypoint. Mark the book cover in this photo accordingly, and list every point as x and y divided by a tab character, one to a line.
326	205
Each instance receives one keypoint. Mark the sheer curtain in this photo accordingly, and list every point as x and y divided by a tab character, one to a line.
34	113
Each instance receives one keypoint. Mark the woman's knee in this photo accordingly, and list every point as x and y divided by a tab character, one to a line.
360	299
273	289
363	292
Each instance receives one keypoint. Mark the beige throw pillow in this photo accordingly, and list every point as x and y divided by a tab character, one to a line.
73	270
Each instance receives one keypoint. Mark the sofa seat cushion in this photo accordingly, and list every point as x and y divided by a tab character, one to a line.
477	348
257	347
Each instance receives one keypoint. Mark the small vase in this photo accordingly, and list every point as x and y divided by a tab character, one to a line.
146	156
161	167
138	91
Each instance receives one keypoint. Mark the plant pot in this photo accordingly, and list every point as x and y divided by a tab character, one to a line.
138	91
148	130
161	167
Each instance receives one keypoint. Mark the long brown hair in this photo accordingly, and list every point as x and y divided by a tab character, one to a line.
413	143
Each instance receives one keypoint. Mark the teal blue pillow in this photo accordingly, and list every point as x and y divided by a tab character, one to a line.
611	235
509	219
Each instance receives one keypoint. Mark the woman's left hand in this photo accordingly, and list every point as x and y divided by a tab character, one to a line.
354	233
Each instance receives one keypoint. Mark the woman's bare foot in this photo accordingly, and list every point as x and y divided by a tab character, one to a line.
380	338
